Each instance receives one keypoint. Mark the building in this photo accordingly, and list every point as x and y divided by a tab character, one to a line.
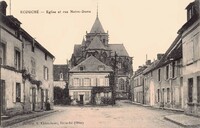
29	67
97	44
164	85
60	75
138	85
190	32
89	81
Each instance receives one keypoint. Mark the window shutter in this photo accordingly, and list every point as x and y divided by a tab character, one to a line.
44	95
92	82
22	92
170	70
14	92
36	95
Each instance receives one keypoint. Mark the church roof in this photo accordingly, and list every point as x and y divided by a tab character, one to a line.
96	44
91	64
97	27
83	42
119	49
77	50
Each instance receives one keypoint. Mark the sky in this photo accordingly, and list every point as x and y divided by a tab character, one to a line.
145	27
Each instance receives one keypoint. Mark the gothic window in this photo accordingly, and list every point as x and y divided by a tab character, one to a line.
122	84
104	56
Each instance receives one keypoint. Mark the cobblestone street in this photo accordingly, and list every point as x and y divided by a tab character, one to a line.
123	115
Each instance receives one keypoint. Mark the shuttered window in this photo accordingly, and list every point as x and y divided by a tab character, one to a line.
190	90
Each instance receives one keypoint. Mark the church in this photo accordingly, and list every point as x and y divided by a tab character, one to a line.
96	44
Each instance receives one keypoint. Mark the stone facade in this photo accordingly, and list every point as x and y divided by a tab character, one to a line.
191	56
89	82
22	70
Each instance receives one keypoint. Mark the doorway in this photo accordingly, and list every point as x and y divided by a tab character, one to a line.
81	99
2	96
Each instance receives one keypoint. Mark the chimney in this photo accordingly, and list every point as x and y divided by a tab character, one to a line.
159	56
148	62
3	7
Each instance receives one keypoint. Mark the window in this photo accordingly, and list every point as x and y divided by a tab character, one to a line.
101	82
190	90
18	92
87	82
61	76
33	66
173	69
17	59
75	95
46	73
45	56
159	70
198	89
76	82
158	95
167	72
87	96
2	53
189	52
168	95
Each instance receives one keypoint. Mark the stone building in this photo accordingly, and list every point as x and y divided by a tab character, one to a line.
190	32
60	75
26	68
89	81
163	88
97	44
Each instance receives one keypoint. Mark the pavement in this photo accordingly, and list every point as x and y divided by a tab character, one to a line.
184	120
180	119
20	118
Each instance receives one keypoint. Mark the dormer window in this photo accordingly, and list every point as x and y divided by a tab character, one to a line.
61	76
81	68
190	10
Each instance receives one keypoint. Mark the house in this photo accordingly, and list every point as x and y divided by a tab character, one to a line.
26	69
190	32
60	75
164	86
97	44
89	81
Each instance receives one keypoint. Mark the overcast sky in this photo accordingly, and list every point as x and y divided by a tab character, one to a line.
143	26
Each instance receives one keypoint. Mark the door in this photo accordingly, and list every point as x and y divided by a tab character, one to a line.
2	96
152	95
42	98
33	99
81	99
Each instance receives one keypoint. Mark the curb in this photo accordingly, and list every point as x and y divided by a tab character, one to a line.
7	123
180	124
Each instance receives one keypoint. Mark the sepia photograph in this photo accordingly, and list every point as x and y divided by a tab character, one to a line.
99	64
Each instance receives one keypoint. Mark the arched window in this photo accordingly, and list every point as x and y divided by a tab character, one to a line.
61	76
121	84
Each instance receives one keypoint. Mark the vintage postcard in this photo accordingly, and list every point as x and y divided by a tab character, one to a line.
99	64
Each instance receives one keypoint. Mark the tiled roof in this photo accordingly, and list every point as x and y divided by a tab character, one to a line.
151	67
57	69
119	49
97	27
77	50
96	44
91	64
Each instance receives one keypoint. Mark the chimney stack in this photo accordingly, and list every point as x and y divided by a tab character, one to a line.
148	62
159	56
3	7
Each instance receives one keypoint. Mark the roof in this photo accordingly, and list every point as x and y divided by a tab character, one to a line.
140	71
119	49
174	52
96	44
83	42
91	64
77	50
60	68
97	27
151	67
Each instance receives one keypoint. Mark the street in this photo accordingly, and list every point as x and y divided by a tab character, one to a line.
123	115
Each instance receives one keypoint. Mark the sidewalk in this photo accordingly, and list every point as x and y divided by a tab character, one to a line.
21	118
184	120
